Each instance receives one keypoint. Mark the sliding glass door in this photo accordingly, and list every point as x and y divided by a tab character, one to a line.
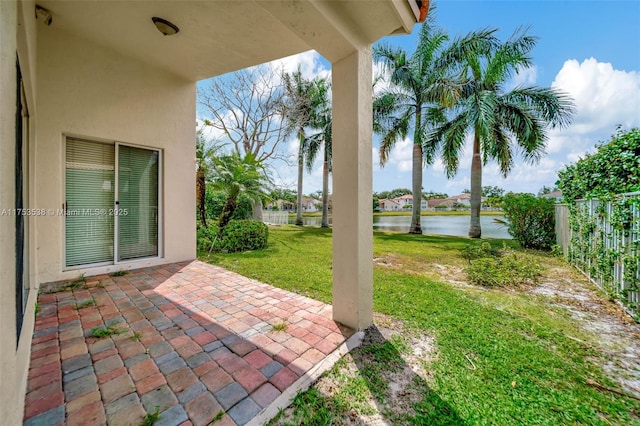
112	209
137	203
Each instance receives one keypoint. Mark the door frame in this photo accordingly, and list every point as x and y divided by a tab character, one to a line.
116	145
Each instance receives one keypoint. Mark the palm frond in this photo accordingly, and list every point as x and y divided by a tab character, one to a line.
397	131
451	137
553	106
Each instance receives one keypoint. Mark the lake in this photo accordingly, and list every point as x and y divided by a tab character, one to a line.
439	225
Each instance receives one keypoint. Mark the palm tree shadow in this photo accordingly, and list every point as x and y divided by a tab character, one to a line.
402	396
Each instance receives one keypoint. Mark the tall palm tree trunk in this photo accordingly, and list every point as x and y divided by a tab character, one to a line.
256	210
300	177
416	228
201	185
325	190
416	181
476	189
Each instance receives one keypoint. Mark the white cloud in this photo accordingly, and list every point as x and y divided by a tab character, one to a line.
524	77
604	96
401	155
309	62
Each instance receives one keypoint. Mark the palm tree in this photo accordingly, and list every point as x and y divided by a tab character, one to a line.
299	107
321	121
500	121
416	99
205	153
236	175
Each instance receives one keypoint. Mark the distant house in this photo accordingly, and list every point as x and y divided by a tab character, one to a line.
464	199
455	201
556	195
404	200
281	205
432	203
399	203
389	205
311	204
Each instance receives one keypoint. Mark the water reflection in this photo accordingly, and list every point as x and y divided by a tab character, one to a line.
438	225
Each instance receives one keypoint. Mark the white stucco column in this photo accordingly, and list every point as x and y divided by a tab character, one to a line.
352	185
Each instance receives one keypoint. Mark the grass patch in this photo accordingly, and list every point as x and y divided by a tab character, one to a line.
79	283
85	304
279	327
136	336
151	418
532	361
120	273
217	417
100	332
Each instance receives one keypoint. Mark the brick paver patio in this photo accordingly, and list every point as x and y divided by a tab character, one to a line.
194	340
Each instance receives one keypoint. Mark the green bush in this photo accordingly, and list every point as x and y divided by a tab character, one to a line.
531	220
242	235
613	169
215	200
509	269
206	236
477	251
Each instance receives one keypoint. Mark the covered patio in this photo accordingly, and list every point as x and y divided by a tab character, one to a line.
99	112
194	341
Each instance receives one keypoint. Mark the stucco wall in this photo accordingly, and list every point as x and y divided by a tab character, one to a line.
88	91
16	36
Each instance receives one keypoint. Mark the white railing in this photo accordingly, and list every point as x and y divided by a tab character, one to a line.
275	217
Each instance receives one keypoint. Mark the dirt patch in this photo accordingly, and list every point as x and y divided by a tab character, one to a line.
400	376
618	334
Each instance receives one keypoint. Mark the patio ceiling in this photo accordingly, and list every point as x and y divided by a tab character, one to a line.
217	37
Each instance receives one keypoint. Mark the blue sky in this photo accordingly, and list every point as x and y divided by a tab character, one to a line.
589	49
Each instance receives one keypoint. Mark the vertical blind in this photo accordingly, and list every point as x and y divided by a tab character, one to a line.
138	203
101	203
89	197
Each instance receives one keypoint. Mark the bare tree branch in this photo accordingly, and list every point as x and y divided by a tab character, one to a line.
248	107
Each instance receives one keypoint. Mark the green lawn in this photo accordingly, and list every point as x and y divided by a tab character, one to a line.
531	360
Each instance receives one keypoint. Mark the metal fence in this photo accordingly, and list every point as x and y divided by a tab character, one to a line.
563	236
602	239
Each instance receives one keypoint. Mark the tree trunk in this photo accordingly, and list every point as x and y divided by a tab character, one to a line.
225	215
256	210
201	189
325	192
476	189
416	186
300	177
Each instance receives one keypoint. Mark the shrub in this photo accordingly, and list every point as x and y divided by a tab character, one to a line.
509	269
215	201
477	251
206	236
613	169
531	220
241	235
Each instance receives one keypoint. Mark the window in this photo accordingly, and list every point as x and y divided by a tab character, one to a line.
21	201
112	203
